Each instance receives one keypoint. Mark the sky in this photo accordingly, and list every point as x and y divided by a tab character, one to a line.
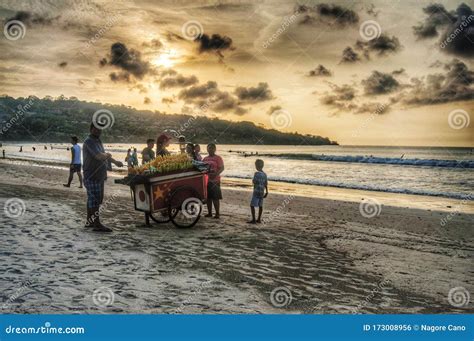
359	72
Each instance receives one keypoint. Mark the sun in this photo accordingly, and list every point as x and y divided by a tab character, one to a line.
166	58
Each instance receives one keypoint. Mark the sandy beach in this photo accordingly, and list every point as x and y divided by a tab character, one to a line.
316	253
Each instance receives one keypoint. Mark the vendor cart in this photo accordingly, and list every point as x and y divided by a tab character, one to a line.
177	197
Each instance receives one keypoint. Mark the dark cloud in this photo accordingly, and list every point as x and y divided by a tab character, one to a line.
327	13
340	97
208	95
372	108
456	84
140	87
178	80
62	64
215	43
381	45
30	19
455	29
398	72
146	100
154	44
273	108
380	83
129	60
320	71
168	100
349	55
256	94
438	16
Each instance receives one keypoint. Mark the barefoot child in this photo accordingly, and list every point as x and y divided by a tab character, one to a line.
260	191
214	193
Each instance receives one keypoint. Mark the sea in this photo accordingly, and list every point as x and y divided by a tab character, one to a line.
434	171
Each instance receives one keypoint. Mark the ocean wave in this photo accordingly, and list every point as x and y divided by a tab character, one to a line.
461	196
377	160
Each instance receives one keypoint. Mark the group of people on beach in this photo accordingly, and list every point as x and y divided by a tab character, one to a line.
96	163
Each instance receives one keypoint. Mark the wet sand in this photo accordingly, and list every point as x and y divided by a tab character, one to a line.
317	255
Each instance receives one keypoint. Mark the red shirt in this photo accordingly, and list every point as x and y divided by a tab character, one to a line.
216	163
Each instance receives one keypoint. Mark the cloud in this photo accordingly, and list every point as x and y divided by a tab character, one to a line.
31	19
438	16
373	108
320	71
273	108
168	100
128	60
215	43
455	85
398	72
209	96
327	13
382	45
340	97
349	55
154	44
379	83
455	29
146	100
178	80
256	94
62	64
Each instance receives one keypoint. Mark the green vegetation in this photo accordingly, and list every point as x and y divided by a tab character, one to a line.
56	119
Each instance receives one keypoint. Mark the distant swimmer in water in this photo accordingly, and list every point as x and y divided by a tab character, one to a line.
45	148
3	152
21	149
34	148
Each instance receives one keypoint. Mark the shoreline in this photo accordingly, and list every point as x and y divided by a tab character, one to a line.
407	200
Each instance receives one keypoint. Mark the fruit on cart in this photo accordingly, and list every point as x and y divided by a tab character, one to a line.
163	164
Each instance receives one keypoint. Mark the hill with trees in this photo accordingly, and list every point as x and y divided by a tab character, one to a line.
56	119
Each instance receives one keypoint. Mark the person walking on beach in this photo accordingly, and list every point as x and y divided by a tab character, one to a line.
75	166
197	152
96	163
162	142
148	154
260	191
214	193
128	158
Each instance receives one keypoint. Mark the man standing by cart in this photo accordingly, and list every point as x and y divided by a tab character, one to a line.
96	164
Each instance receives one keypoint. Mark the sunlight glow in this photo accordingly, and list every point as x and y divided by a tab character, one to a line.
166	58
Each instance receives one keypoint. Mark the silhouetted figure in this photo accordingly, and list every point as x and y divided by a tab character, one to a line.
34	149
51	146
3	152
45	148
21	149
67	148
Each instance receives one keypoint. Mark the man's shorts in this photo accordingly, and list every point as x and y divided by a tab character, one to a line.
76	168
95	192
214	191
256	201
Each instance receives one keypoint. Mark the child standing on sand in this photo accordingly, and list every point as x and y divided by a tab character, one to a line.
260	191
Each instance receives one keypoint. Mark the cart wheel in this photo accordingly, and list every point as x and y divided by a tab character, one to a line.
160	217
184	207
